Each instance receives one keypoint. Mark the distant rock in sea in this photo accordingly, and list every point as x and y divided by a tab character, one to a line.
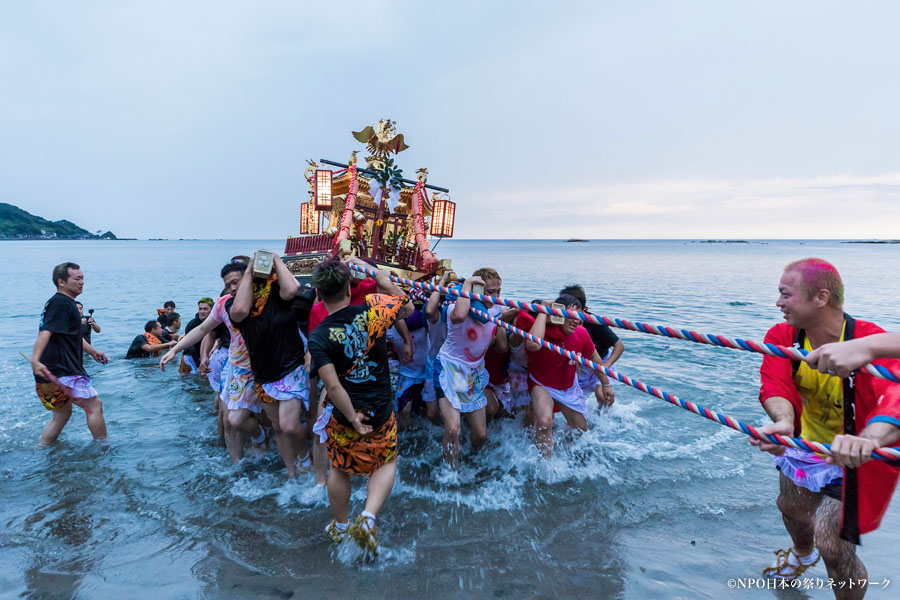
872	242
724	242
17	224
576	240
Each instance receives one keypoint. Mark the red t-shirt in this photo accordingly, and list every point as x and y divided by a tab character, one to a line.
362	289
495	363
316	315
358	295
546	366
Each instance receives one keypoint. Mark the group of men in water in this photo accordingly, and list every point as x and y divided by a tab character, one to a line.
274	352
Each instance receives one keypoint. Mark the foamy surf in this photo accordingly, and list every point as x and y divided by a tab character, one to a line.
349	554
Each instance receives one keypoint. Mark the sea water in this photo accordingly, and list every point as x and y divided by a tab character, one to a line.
652	502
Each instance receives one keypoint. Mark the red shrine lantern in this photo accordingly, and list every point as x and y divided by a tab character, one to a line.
309	219
443	214
323	189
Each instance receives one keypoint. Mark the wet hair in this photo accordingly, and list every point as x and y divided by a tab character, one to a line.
233	267
151	325
61	271
331	278
817	274
569	300
576	291
487	273
172	318
208	301
168	304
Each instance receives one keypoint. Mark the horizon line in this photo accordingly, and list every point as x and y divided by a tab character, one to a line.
575	239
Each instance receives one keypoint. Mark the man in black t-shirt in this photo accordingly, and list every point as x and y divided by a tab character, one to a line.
262	310
88	325
56	358
170	328
148	343
164	312
349	353
190	358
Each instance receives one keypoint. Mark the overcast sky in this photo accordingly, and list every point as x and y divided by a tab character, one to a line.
545	119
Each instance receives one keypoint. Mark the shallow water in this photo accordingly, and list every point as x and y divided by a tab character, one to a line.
652	502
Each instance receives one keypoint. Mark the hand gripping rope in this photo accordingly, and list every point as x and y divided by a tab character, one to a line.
878	371
791	442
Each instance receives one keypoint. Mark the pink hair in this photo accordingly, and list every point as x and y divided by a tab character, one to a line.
817	274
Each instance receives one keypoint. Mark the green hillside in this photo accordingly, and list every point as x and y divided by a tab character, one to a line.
16	223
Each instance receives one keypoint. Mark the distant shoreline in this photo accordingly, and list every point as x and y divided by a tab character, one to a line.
72	239
281	239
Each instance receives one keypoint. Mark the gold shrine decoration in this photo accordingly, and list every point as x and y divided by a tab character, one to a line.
381	139
303	266
323	189
443	216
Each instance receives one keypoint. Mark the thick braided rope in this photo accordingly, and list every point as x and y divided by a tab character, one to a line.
791	442
878	371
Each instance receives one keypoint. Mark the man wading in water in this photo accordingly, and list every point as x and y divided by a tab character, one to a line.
262	311
238	397
553	380
349	354
462	376
56	359
826	504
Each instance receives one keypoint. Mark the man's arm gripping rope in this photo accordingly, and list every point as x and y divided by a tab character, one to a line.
878	371
885	454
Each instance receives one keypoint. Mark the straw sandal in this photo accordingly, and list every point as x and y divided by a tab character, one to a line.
366	537
337	536
786	568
